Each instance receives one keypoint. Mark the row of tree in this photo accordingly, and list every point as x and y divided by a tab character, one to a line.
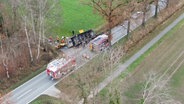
116	11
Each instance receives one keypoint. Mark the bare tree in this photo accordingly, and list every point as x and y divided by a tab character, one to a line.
108	9
6	46
126	13
98	69
23	26
82	85
34	13
14	6
156	88
130	9
28	39
4	59
157	91
144	7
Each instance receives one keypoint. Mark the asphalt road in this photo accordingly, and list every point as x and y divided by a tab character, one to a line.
37	85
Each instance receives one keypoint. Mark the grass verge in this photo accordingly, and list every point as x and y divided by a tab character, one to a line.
47	100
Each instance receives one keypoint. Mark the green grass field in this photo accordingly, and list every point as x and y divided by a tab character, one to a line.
77	16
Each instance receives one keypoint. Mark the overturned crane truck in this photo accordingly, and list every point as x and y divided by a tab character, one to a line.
78	39
60	67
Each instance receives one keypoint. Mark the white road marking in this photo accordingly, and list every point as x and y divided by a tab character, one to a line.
25	93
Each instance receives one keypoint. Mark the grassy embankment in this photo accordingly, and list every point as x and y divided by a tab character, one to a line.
47	100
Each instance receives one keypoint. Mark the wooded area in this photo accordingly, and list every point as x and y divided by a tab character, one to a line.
24	25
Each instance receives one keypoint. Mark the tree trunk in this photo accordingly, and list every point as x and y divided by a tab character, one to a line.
6	68
14	18
1	22
143	18
4	59
28	41
167	4
38	50
156	8
33	26
40	29
109	31
144	15
128	27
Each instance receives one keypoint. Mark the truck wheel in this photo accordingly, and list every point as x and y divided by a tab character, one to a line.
51	78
